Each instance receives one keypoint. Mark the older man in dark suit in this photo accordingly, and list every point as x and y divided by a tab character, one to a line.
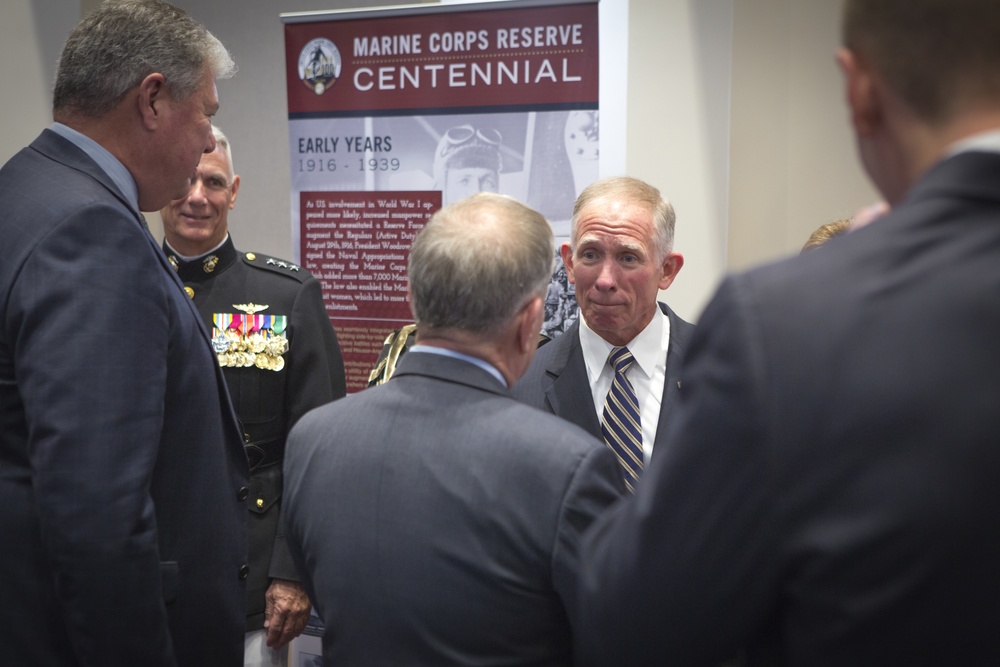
435	520
828	495
122	470
620	256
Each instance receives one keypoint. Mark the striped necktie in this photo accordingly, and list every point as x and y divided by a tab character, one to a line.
621	426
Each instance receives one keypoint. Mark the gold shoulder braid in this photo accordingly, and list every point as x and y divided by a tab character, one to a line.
396	343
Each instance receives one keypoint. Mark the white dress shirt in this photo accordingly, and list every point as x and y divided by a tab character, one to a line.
647	373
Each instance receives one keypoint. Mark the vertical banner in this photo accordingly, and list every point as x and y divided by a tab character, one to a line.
394	113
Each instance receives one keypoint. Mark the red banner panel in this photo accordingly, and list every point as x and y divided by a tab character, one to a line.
533	57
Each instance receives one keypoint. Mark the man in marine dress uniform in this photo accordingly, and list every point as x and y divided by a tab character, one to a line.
280	356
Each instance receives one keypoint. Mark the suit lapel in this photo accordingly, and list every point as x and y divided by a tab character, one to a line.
570	388
680	331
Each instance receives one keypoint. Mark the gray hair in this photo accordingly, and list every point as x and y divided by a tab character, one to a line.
222	141
477	262
632	190
122	42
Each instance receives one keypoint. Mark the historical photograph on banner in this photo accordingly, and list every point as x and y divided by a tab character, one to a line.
395	114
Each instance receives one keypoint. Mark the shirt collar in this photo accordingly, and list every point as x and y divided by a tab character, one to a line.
647	347
984	141
475	361
192	258
203	267
108	163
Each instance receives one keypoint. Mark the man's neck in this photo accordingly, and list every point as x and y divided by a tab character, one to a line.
922	146
108	131
463	342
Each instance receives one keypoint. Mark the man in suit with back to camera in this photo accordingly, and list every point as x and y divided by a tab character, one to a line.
620	255
434	519
121	461
280	357
828	493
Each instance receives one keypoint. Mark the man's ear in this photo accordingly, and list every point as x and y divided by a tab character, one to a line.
529	324
151	98
862	92
672	265
232	195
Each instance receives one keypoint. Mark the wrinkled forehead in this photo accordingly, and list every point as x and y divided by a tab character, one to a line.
614	217
613	242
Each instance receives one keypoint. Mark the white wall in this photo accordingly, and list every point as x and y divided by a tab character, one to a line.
32	33
793	164
680	55
734	111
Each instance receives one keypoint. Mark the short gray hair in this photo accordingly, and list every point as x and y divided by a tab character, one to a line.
122	42
477	262
633	190
222	142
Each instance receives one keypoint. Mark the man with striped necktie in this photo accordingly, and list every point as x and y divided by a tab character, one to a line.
616	371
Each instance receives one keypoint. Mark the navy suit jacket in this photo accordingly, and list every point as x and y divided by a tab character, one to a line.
436	520
828	493
557	379
121	462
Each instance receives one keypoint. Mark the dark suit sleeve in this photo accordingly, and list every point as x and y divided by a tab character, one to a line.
681	567
593	488
91	344
316	377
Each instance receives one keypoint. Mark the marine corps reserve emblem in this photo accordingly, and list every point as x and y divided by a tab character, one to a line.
319	64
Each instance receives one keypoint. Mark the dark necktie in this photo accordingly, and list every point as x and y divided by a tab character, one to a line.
621	426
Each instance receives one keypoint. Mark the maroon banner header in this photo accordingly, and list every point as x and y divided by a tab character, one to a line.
444	59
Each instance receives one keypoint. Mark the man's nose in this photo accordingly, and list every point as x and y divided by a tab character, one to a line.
607	276
197	190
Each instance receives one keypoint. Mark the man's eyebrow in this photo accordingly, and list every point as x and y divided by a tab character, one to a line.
630	246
